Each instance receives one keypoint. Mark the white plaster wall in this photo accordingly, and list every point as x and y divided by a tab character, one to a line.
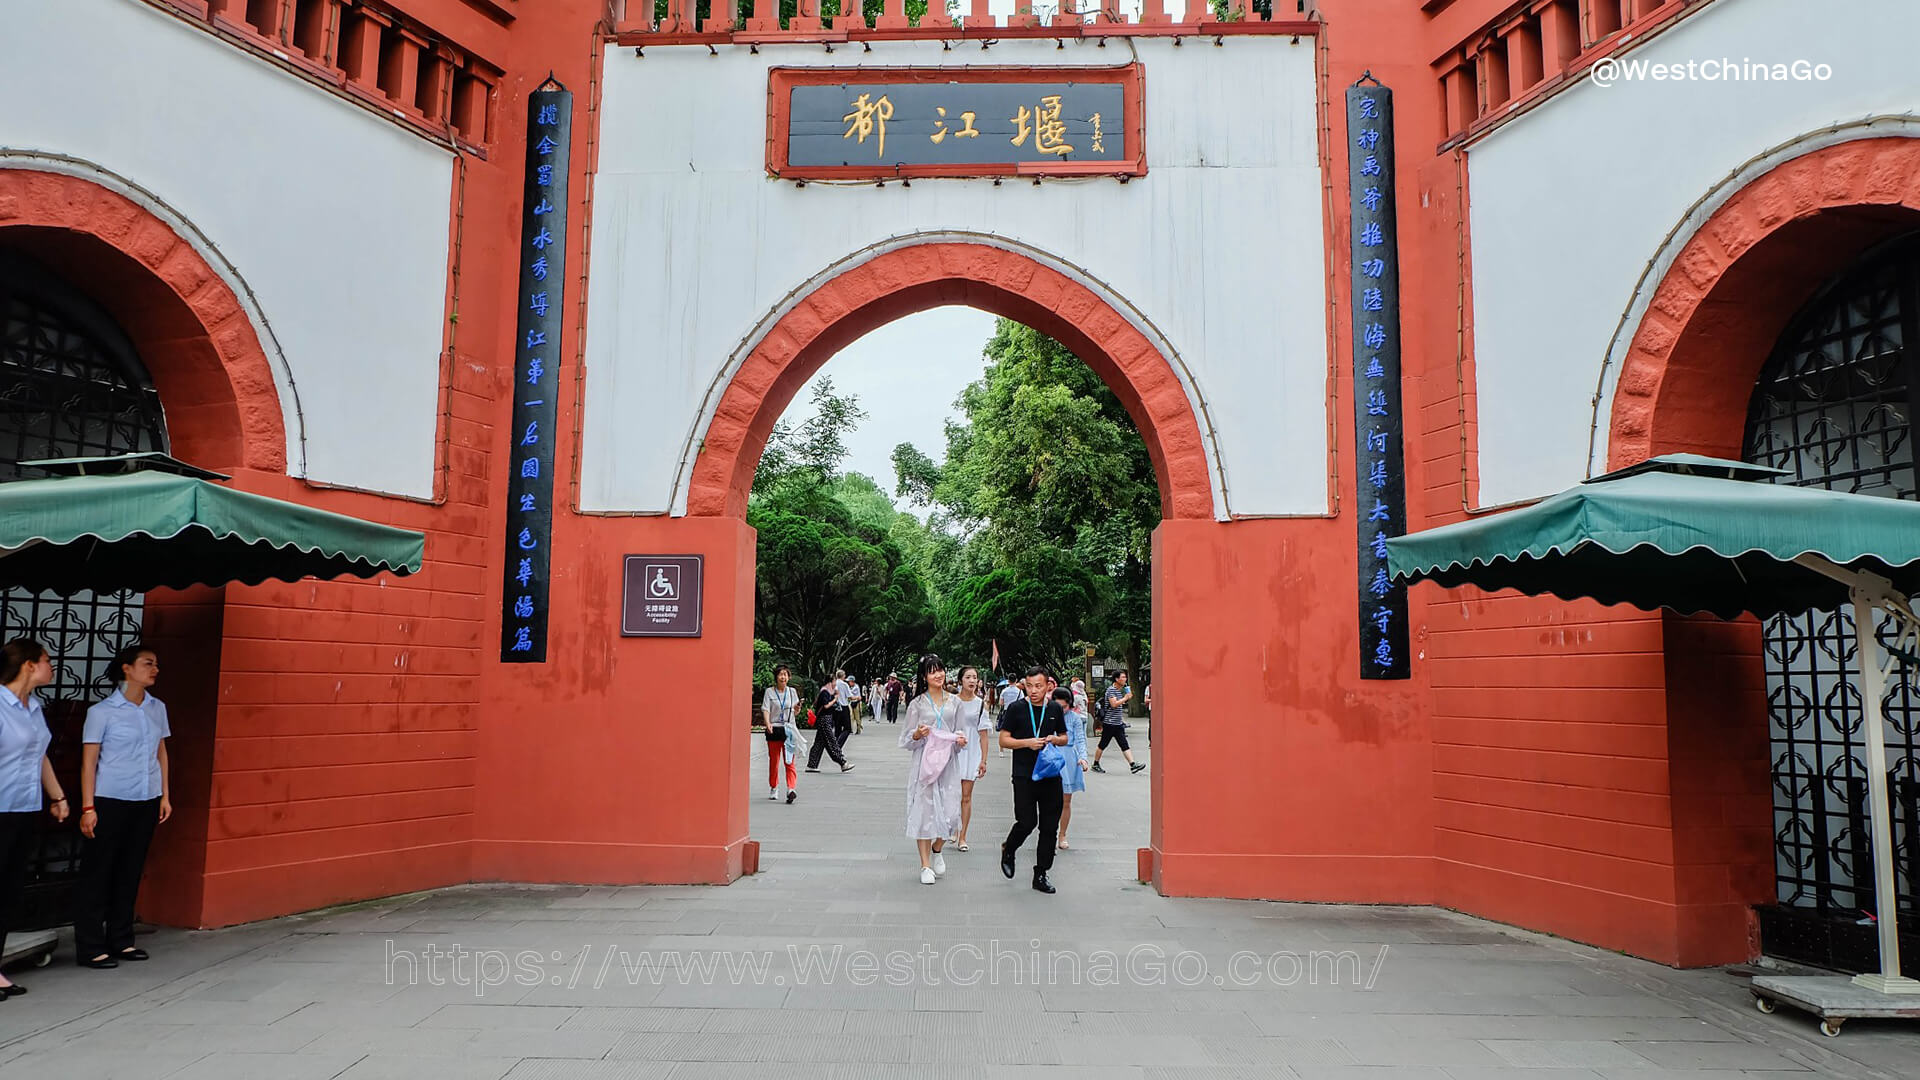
1571	203
1220	247
336	221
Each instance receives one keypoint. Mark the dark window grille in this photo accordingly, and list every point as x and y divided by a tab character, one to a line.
71	385
1835	407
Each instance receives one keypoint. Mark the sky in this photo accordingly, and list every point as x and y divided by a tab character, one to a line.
906	375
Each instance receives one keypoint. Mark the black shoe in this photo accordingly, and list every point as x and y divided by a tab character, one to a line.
1137	767
131	954
1041	884
101	963
1006	863
13	990
1096	767
792	795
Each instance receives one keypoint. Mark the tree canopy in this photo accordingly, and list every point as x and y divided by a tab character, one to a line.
833	588
1050	480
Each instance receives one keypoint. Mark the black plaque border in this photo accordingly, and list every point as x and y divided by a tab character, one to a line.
1380	462
536	351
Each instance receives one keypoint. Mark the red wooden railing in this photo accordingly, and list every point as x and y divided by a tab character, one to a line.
368	50
1533	48
716	21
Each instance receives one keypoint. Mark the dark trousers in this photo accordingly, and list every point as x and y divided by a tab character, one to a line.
1035	802
1109	733
893	710
826	739
844	717
110	868
19	831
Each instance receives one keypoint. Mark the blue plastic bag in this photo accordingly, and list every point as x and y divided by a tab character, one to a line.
1051	760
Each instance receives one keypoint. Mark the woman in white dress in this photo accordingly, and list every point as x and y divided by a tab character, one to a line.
933	733
976	719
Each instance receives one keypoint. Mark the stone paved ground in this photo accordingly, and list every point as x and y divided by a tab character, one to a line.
555	984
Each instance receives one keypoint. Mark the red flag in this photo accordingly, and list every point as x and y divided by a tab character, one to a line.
996	654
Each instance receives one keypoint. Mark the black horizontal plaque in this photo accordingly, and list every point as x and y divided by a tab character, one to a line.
865	124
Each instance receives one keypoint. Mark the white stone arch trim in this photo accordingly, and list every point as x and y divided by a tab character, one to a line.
203	245
1882	126
710	401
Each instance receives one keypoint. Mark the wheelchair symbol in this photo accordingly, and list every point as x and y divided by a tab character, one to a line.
662	587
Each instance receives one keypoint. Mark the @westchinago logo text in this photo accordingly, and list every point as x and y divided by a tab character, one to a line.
1609	70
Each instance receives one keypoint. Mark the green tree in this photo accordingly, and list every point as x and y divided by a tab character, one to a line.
1047	478
833	589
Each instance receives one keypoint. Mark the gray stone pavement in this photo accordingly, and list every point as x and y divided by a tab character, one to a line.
845	966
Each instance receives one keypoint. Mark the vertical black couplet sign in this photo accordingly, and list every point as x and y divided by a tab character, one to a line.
536	360
1380	479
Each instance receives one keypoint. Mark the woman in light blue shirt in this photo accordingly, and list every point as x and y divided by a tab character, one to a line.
123	795
26	777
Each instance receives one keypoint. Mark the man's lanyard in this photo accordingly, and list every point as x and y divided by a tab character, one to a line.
1032	720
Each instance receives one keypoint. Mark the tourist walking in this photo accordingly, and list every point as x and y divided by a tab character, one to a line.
976	718
894	692
853	701
779	705
1073	778
842	715
1026	726
826	731
1113	722
934	732
26	776
123	797
1011	692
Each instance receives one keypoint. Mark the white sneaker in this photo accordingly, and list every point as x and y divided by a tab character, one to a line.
774	794
927	876
939	864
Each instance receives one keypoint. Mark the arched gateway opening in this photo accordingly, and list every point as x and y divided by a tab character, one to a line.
1785	333
875	288
119	335
867	292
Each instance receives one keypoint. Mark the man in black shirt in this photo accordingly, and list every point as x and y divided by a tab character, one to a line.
1025	726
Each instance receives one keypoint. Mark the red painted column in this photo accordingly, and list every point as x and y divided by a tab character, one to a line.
185	628
1560	35
893	16
1277	773
1720	762
622	760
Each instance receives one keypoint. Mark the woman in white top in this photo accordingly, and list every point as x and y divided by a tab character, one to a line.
977	719
779	704
123	796
26	777
934	734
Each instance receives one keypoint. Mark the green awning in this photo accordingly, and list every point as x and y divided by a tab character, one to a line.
1681	532
144	530
1699	534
